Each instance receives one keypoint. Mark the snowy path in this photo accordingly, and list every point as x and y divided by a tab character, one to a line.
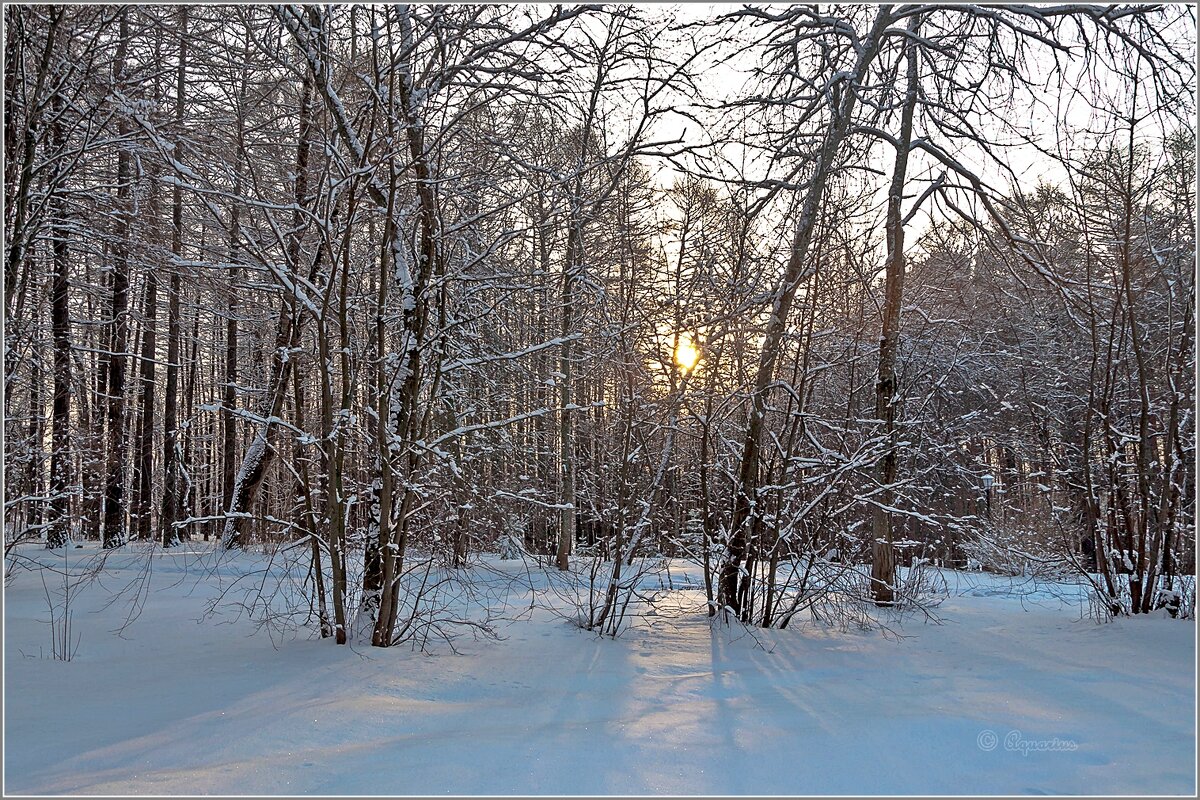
177	707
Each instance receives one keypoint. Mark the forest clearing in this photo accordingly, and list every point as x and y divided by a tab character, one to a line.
678	705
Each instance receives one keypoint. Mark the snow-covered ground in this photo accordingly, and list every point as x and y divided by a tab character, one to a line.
1014	692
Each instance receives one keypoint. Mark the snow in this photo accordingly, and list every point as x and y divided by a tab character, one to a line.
1016	691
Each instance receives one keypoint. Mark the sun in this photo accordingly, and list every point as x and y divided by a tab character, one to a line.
686	352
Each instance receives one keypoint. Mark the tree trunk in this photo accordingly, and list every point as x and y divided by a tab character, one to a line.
114	492
254	464
172	498
59	530
145	439
746	488
229	390
229	387
566	433
883	554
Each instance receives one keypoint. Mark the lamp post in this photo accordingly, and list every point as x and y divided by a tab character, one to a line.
988	480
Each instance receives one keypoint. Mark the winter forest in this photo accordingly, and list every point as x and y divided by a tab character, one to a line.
643	399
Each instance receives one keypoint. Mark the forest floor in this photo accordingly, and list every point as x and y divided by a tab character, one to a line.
1014	691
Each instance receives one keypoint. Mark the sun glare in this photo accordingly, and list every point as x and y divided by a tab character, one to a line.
686	352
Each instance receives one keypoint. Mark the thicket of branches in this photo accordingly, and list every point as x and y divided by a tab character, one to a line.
402	285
